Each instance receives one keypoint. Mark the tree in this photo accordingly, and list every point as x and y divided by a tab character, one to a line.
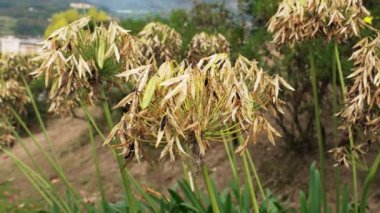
64	18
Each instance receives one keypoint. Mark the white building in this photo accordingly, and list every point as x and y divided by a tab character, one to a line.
80	5
13	45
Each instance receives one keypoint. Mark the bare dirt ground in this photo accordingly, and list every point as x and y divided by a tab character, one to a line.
282	171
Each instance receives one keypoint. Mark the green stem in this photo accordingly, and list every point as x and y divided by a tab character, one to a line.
39	183
26	150
43	151
255	174
126	183
41	122
248	177
250	183
351	139
97	168
335	132
232	160
318	125
368	181
210	189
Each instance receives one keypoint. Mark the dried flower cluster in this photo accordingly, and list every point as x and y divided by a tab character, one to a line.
79	60
300	20
6	135
160	41
203	45
363	98
12	92
183	109
17	66
342	155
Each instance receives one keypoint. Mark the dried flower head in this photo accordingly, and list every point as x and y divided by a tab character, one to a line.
6	137
183	109
363	98
79	60
204	45
342	155
160	41
12	94
296	21
16	67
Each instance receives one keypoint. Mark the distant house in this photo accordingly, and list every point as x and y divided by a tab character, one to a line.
80	5
13	45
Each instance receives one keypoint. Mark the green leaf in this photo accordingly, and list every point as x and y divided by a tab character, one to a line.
345	201
228	204
149	92
101	52
190	195
303	202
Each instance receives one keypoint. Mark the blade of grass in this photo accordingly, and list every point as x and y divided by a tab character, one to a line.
26	150
368	180
248	177
232	161
335	128
39	183
256	175
210	189
351	138
321	150
41	122
97	169
43	151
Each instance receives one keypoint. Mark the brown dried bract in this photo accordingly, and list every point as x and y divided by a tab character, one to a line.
78	60
204	45
160	41
363	98
297	21
183	109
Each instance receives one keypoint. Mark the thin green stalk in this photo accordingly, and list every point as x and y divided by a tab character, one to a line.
43	151
39	183
255	174
210	189
232	161
26	150
248	177
335	102
321	149
185	171
250	183
126	183
368	180
351	139
335	133
97	169
40	121
144	194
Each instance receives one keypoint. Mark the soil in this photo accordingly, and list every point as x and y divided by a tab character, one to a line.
282	171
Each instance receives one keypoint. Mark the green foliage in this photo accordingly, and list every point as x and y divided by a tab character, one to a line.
312	203
30	17
64	18
7	25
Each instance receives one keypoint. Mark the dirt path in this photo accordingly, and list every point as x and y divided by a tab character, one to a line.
284	172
